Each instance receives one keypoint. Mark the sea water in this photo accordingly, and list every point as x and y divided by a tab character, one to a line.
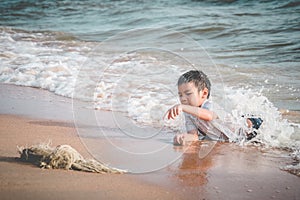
126	56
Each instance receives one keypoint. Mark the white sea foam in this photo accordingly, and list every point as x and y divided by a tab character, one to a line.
39	60
275	130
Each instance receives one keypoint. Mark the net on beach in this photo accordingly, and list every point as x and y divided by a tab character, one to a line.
63	157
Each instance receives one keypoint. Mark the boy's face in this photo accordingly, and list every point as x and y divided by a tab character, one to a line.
189	94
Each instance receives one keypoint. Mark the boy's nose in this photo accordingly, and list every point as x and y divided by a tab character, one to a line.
183	100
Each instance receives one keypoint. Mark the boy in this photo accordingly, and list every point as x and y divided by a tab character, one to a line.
194	92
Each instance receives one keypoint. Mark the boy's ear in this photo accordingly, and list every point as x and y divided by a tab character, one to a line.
205	93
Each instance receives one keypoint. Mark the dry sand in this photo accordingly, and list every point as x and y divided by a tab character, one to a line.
30	116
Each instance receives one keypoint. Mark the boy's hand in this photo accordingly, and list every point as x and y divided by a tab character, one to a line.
182	139
173	112
179	139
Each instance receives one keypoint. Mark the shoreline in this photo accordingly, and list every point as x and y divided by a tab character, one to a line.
228	172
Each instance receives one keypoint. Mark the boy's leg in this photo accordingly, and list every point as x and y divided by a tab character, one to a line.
253	123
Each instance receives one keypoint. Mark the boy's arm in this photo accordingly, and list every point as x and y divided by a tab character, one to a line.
198	112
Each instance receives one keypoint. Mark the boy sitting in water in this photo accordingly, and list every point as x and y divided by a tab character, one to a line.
194	92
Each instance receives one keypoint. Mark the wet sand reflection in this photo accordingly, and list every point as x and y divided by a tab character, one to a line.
193	167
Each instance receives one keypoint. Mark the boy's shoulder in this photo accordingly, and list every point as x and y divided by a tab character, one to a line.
207	104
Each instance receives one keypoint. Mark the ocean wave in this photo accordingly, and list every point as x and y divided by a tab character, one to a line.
290	5
43	59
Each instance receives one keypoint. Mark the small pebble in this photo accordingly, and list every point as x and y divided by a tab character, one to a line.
249	190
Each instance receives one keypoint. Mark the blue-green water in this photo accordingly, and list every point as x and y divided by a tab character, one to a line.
260	38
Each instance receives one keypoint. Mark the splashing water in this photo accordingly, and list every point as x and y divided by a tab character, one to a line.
275	131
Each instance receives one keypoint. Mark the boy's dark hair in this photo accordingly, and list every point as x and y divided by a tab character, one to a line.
198	78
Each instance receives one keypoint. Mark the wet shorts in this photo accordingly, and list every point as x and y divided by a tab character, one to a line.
256	122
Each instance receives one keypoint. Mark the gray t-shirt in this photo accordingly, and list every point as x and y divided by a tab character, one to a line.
213	130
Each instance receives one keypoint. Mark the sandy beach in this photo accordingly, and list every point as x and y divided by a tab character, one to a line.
30	116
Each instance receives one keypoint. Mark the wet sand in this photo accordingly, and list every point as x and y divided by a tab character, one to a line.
21	180
30	116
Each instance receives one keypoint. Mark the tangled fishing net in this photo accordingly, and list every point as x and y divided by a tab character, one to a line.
62	157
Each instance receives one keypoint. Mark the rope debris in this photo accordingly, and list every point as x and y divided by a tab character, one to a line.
63	157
